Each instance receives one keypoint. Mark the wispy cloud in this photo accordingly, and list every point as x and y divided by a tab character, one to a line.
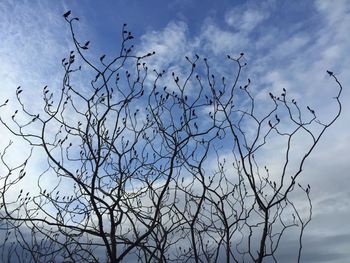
34	39
246	18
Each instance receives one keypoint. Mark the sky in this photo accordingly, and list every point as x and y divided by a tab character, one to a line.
287	44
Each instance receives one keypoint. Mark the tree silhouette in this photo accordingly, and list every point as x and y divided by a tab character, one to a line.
145	172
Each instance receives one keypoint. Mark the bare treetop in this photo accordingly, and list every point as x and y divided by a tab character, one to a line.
157	166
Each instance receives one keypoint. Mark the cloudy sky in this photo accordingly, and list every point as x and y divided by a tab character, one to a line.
287	44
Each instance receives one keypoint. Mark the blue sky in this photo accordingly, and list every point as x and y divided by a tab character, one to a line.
287	44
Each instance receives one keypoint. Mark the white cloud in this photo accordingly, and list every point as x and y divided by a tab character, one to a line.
291	46
245	20
334	12
213	40
169	44
34	39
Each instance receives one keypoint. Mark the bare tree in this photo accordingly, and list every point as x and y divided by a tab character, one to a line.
141	171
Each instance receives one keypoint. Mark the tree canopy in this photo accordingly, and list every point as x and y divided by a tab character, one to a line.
147	165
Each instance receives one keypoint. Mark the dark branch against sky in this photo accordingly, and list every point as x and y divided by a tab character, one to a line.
288	44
